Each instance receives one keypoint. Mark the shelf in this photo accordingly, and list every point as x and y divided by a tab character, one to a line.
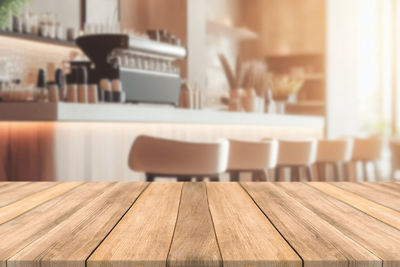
239	33
37	38
315	108
294	55
310	77
311	104
154	47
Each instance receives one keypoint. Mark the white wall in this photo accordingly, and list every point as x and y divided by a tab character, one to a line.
204	46
342	66
359	54
196	41
68	10
97	11
102	11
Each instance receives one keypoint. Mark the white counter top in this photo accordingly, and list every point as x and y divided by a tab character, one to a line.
64	112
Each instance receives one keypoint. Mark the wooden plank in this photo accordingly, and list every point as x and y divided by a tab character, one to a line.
194	242
71	242
379	238
388	199
23	205
244	234
143	236
389	188
380	212
33	224
17	190
316	241
6	186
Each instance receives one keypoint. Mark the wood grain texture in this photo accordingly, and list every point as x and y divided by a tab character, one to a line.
143	236
388	199
33	224
14	191
316	241
385	214
379	238
244	234
197	224
6	187
194	242
17	208
71	242
3	183
390	188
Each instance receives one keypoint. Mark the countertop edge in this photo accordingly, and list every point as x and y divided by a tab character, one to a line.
75	112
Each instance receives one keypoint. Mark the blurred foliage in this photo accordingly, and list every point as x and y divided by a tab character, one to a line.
8	7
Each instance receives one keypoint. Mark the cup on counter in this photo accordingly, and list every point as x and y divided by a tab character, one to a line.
72	93
93	94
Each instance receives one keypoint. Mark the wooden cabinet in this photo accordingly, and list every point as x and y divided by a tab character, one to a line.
286	27
292	39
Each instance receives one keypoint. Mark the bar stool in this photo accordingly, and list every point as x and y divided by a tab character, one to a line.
254	157
368	150
296	155
333	153
159	157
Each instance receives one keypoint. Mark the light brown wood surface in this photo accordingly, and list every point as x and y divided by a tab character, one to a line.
17	208
387	198
313	238
391	188
380	212
244	234
73	240
28	227
194	241
144	234
199	224
6	187
378	237
15	191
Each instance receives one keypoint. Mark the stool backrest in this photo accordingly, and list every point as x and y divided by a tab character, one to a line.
292	153
252	155
164	156
367	149
332	151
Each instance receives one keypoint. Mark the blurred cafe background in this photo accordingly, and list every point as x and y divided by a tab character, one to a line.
263	90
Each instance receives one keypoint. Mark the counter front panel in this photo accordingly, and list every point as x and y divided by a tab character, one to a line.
70	142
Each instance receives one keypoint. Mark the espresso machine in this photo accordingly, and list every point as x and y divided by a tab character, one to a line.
145	66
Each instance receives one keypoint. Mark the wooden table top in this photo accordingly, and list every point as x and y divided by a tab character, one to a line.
199	224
